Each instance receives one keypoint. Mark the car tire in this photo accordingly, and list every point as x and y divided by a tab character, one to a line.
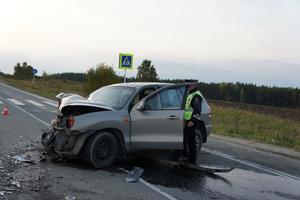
101	150
199	140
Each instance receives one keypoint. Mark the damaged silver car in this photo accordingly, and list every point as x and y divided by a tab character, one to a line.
122	118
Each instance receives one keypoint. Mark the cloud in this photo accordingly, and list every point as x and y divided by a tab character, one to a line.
261	72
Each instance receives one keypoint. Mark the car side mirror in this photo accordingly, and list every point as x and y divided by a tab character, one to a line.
141	106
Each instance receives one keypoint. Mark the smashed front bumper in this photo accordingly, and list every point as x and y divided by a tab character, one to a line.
59	140
62	140
58	137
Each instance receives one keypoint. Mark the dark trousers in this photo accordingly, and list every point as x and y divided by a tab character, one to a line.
190	143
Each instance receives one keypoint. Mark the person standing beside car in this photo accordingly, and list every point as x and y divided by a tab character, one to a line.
192	115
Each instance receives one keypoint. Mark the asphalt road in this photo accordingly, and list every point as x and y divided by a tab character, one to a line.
257	174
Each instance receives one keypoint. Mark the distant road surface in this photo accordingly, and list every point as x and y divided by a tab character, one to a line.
257	174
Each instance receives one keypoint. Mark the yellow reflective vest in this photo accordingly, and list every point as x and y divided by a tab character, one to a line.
188	110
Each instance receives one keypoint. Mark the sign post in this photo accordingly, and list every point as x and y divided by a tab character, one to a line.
34	72
125	62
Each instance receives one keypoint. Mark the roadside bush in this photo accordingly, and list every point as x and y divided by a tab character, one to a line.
100	76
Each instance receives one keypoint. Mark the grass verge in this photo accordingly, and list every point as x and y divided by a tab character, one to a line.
48	88
255	126
230	121
280	112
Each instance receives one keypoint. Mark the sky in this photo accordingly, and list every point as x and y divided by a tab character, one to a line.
252	41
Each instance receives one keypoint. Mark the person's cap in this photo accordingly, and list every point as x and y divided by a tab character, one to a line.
191	81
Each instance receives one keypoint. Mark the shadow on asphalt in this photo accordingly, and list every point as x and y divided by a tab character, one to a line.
159	172
156	172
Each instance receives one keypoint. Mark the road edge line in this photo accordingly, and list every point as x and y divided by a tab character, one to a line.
254	165
152	187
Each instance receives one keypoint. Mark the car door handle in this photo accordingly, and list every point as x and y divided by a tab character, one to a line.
172	117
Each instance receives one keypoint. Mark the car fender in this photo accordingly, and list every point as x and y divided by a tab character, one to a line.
88	124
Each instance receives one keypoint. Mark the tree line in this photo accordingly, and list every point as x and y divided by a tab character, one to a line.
72	76
248	93
102	74
252	94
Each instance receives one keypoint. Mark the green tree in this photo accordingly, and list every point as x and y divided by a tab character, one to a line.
99	76
146	72
242	95
45	76
23	71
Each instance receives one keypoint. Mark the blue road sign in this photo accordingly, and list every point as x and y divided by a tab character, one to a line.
125	61
34	71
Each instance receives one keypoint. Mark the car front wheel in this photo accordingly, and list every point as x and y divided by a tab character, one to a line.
101	150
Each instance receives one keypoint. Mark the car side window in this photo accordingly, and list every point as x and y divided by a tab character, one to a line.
140	95
152	103
143	93
169	99
180	92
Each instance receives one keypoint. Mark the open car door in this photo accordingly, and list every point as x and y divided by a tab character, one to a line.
157	120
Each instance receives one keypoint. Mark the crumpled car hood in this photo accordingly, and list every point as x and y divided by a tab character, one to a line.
77	100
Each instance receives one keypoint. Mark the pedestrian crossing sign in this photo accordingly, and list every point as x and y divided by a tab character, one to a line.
125	61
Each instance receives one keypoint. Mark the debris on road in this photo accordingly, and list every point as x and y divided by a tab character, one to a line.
43	159
29	147
205	168
215	169
16	183
134	174
20	173
7	189
22	159
70	197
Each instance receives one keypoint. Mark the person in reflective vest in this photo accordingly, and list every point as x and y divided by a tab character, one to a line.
192	115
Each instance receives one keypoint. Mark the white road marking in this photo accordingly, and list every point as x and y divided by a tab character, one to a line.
260	167
156	189
24	92
52	111
153	187
35	103
16	102
1	102
50	103
31	115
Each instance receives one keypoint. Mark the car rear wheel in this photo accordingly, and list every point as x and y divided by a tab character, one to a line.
198	138
101	150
